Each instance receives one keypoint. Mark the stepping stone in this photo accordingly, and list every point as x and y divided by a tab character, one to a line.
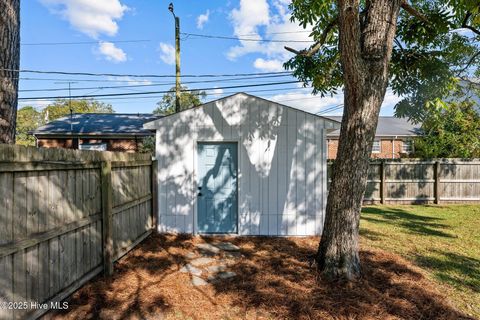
190	255
234	254
197	282
222	275
201	261
216	268
208	248
191	269
227	246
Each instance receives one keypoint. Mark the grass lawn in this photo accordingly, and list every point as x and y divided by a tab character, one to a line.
444	241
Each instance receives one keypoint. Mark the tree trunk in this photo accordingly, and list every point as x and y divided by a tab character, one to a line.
365	47
9	62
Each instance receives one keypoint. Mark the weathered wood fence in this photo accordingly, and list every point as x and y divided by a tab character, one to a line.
421	181
66	216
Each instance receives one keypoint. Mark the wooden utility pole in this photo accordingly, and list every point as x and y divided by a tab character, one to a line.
177	58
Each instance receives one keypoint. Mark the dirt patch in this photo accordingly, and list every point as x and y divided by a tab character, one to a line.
274	281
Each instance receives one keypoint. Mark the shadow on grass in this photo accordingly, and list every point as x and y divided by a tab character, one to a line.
412	223
458	270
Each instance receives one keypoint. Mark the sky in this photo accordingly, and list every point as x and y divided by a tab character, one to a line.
136	37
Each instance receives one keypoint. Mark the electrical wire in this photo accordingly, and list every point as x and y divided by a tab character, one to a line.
242	39
143	75
155	92
152	84
80	42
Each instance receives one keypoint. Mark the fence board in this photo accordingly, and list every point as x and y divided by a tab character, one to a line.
51	223
418	181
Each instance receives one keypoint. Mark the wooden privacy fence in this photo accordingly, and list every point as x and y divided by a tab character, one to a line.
422	181
65	216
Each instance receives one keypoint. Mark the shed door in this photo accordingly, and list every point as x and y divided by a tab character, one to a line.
217	188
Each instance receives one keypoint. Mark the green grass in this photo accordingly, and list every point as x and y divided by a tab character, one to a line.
444	241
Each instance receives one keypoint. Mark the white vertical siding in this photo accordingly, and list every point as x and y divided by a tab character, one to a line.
281	165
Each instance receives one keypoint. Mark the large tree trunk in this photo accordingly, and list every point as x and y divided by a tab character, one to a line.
365	47
9	62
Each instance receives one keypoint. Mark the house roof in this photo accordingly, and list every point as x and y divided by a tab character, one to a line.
99	124
387	127
152	125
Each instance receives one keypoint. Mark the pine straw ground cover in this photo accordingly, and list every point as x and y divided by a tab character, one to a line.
274	281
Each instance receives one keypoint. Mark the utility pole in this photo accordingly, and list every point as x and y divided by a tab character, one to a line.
69	101
70	105
177	58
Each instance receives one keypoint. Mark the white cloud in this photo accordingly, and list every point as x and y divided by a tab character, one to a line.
202	19
268	65
255	19
304	100
217	92
91	17
111	52
167	53
38	104
331	104
130	80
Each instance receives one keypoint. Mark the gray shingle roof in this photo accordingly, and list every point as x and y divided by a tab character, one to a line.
99	124
387	127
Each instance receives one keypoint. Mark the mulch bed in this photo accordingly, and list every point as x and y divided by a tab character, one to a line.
274	281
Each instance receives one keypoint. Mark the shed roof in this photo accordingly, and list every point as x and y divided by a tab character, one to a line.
152	125
387	127
99	124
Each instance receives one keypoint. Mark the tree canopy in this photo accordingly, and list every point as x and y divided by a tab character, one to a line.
61	108
450	130
437	43
29	118
188	99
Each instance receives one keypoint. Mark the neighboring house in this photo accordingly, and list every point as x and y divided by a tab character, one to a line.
393	138
96	131
242	165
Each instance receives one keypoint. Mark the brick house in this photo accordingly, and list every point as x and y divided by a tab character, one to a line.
96	131
393	138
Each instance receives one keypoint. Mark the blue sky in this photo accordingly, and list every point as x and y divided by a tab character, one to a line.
104	24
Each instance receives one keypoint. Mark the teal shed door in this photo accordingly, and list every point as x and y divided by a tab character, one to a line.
217	188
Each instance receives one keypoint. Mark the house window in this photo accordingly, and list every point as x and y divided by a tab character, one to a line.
377	146
407	146
93	146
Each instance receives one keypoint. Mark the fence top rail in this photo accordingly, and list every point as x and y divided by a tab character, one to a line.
400	161
15	153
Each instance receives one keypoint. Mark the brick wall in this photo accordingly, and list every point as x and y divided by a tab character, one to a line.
122	145
387	150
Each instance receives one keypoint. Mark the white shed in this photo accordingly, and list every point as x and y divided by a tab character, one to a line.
242	165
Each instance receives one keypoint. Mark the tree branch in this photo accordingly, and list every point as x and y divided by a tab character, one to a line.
466	26
470	61
316	47
412	11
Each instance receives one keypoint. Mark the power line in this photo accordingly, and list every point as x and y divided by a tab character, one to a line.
80	42
330	109
208	94
143	75
156	92
242	39
151	84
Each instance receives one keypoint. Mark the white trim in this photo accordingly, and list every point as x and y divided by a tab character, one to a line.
379	145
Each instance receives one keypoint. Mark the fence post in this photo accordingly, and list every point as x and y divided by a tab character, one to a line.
382	182
107	218
154	172
436	187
